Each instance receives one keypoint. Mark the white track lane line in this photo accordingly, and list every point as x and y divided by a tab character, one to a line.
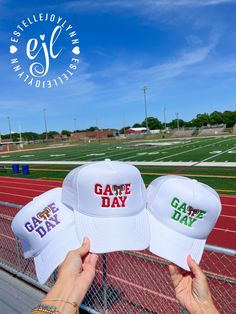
11	179
23	189
5	183
225	230
23	196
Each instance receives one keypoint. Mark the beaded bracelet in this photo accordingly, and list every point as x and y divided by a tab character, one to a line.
44	308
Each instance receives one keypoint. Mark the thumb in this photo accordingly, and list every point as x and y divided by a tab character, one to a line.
195	269
84	249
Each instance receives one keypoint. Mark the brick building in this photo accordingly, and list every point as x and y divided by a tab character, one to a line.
93	134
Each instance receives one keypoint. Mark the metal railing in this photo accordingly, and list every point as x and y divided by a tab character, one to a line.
127	282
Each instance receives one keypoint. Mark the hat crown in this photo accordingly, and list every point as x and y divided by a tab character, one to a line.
105	189
38	221
184	205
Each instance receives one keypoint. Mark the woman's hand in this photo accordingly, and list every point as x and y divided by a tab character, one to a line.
191	288
79	265
75	276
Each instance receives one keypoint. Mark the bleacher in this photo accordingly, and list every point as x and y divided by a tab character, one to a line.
182	132
234	129
212	129
135	135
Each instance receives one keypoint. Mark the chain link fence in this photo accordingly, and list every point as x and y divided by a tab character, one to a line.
128	282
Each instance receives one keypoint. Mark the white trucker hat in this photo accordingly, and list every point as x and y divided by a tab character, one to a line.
47	232
182	212
109	199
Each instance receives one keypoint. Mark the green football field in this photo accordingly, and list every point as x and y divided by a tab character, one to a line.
173	154
190	149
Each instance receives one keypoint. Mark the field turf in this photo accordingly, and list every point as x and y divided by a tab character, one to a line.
210	149
221	148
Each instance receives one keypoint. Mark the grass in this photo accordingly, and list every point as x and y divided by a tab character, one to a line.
194	149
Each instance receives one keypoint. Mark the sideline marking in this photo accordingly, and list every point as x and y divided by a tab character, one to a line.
231	191
191	175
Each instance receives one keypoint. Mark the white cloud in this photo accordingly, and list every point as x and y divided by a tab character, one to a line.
178	65
160	71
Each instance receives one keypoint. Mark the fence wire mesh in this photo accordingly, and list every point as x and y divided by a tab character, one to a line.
128	282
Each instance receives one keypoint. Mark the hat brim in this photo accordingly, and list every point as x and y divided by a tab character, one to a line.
172	245
26	249
54	253
114	233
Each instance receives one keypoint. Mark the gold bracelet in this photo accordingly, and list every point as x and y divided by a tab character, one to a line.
74	304
44	308
40	311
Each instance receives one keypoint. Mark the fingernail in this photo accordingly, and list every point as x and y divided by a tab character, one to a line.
85	240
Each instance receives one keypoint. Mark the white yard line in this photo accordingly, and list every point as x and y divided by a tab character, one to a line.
218	154
165	149
190	150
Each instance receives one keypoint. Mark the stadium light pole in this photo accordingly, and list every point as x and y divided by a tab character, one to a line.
177	117
124	122
164	117
9	125
145	105
45	124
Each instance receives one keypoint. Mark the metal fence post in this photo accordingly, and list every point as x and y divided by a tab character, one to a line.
104	276
18	255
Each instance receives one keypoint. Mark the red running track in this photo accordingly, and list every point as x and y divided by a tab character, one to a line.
21	191
152	283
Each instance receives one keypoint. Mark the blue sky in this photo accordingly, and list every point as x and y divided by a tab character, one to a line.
183	50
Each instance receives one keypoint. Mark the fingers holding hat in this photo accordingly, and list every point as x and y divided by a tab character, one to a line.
175	274
195	269
89	261
77	260
84	249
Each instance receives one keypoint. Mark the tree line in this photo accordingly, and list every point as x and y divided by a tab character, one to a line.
216	117
227	117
